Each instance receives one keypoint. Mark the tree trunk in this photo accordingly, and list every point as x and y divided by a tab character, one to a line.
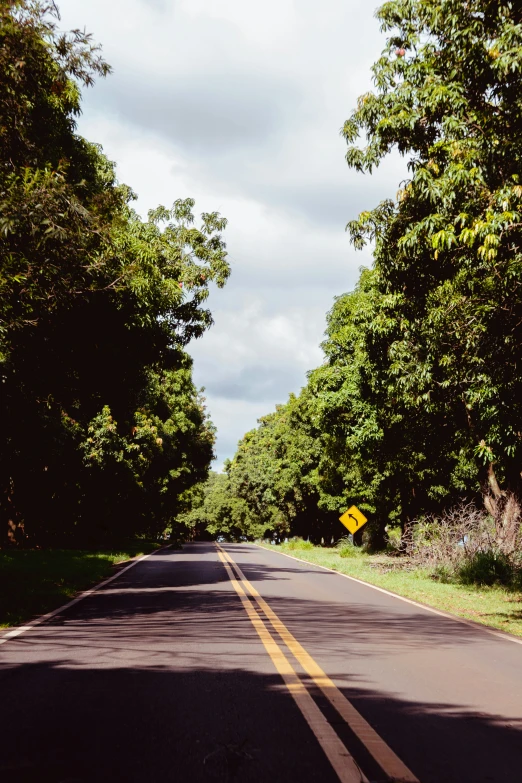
377	536
15	532
406	523
505	509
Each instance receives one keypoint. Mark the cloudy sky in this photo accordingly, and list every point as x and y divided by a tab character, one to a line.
239	104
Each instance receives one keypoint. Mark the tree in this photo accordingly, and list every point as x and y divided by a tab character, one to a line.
101	420
275	472
447	253
388	457
214	511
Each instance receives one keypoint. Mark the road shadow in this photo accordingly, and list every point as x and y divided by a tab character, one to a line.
351	611
163	678
164	599
68	724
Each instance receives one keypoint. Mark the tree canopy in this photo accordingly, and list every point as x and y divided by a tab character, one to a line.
103	429
418	401
447	252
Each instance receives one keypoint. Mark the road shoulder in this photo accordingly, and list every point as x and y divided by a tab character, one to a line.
408	593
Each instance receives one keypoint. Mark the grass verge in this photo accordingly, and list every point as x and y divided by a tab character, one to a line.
494	606
35	581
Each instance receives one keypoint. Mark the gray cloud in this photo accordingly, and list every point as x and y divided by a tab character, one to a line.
239	105
207	115
333	203
253	382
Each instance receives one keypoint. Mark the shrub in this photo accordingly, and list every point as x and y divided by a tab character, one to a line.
460	547
346	548
298	543
452	539
487	568
444	574
393	539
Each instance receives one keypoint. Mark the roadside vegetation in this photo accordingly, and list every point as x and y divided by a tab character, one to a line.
35	581
103	430
415	414
479	591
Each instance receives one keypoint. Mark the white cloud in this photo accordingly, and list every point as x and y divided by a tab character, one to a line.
239	105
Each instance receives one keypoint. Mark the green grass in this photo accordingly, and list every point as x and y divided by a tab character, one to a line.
494	606
35	581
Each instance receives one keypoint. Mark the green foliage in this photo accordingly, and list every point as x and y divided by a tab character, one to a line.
103	427
487	568
346	548
419	400
447	252
214	510
297	543
275	470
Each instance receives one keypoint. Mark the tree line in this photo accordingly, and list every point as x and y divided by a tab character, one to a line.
418	403
103	431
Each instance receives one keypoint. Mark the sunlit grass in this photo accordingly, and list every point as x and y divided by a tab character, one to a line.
493	606
35	581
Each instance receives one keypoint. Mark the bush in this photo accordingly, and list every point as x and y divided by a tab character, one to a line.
487	568
298	543
393	539
442	573
346	548
452	539
461	547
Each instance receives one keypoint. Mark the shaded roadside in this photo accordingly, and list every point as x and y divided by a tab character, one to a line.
160	676
36	581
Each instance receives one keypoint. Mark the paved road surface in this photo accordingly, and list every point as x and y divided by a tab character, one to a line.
179	671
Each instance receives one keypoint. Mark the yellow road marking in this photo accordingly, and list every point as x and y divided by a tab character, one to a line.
345	767
389	762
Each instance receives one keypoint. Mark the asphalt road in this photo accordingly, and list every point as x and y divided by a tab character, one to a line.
173	672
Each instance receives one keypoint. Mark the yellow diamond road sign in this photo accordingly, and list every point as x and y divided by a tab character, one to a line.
353	519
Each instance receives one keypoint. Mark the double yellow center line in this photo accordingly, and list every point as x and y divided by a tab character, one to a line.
345	766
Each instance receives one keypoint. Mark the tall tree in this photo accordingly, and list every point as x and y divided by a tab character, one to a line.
214	510
448	252
275	470
101	420
393	459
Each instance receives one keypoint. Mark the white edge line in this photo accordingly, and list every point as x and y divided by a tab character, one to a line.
86	593
487	628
